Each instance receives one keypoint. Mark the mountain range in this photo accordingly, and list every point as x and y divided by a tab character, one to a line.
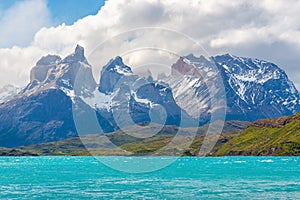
43	111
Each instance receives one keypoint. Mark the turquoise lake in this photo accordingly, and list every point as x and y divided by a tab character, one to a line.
187	178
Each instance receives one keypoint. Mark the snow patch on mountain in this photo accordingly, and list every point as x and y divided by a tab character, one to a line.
121	70
140	100
102	101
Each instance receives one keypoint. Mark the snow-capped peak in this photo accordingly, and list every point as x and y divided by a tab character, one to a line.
112	73
77	56
117	65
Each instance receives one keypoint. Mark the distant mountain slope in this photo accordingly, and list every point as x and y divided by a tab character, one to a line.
267	137
8	92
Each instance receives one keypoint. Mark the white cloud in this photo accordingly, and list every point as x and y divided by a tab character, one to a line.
15	64
21	21
265	29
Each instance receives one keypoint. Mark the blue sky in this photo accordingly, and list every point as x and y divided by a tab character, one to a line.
68	11
64	11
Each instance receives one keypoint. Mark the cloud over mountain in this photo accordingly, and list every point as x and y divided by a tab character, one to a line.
266	29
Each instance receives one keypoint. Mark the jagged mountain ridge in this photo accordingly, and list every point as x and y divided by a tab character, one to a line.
130	99
259	86
42	111
255	89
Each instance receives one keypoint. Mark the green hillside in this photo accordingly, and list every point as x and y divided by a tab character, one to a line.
266	137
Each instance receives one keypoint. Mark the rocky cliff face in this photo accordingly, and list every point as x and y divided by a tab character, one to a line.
72	74
275	123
